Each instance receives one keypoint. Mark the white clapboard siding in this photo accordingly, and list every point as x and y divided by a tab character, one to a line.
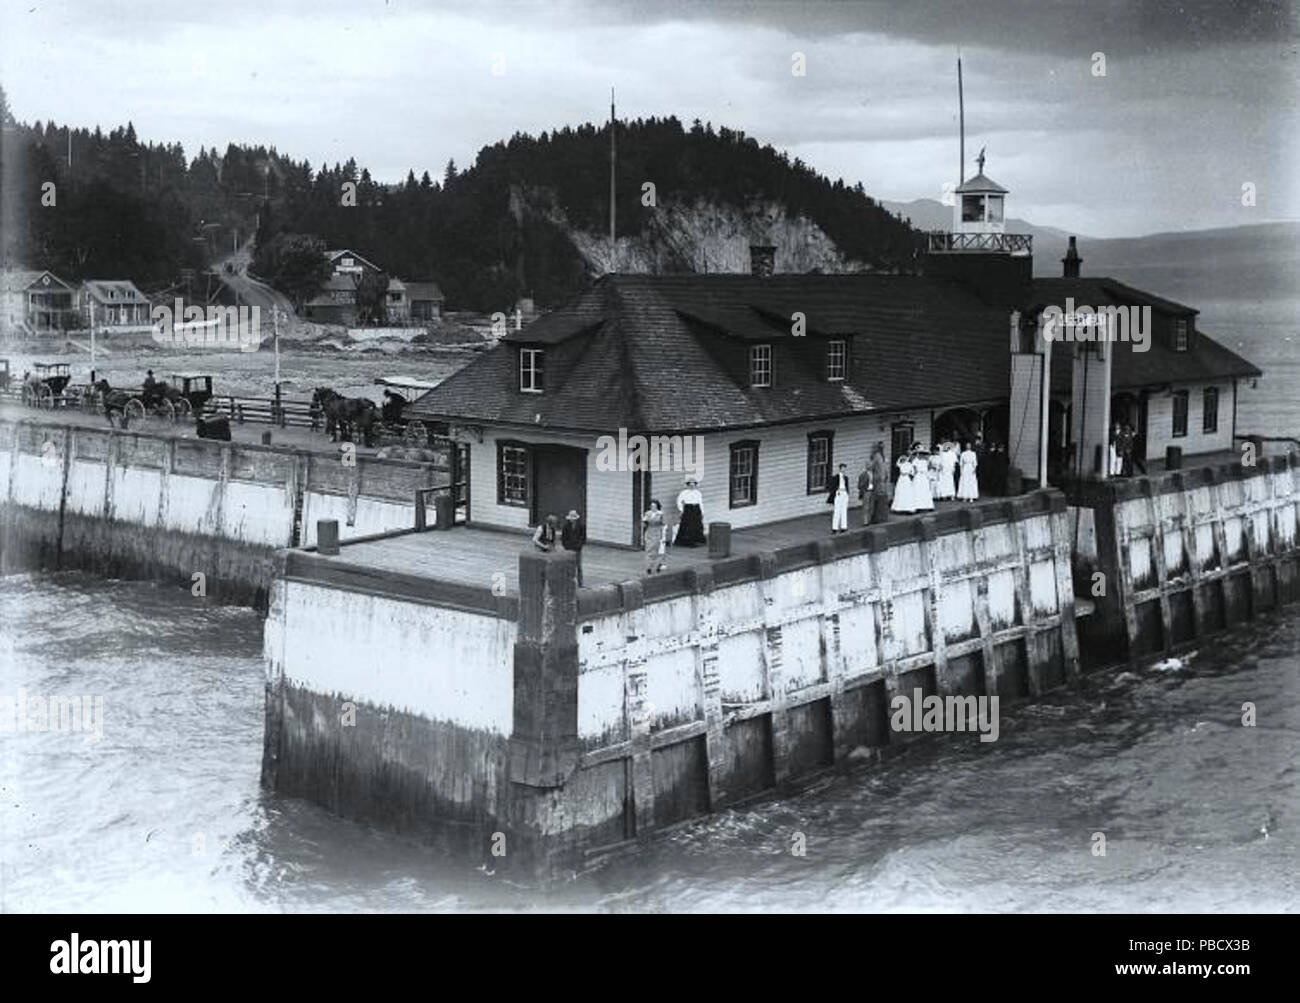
783	467
782	474
609	494
1160	421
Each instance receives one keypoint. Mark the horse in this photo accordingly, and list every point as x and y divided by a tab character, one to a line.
114	401
33	386
215	427
344	415
392	409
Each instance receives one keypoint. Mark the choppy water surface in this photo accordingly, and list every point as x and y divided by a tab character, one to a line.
165	812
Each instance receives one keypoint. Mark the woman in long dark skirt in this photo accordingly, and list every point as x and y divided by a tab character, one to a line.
690	524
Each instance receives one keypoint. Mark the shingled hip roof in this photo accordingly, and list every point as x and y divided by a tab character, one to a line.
1204	360
657	353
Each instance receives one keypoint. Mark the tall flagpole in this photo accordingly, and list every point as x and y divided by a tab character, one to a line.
612	120
961	112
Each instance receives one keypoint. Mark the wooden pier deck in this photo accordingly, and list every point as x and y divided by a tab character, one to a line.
475	556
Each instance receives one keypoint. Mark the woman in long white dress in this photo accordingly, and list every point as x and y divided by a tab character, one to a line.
968	488
947	487
922	499
904	492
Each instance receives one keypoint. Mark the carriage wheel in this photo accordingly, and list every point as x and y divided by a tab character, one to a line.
165	410
132	411
183	408
45	398
416	434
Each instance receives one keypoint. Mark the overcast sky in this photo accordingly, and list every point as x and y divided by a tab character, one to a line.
1197	99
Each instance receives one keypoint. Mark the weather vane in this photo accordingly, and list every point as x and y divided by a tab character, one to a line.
980	159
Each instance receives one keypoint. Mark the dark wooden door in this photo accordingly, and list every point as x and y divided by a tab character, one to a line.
561	478
641	495
900	442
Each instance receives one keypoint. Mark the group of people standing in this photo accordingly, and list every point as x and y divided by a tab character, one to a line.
657	534
924	477
1124	453
571	534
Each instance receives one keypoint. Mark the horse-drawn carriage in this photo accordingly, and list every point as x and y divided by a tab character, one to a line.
159	399
398	392
195	388
47	385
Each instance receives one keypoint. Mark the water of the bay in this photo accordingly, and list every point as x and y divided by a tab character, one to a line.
165	811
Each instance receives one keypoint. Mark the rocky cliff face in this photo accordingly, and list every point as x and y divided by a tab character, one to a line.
699	236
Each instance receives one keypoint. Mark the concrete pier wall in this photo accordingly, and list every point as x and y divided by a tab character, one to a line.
638	705
1186	553
389	709
137	505
769	668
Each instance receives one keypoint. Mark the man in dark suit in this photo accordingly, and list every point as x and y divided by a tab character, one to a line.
573	537
881	486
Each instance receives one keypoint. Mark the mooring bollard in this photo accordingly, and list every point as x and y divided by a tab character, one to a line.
444	511
719	539
327	536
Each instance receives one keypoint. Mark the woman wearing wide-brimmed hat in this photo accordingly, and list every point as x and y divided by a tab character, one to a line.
922	496
690	522
904	490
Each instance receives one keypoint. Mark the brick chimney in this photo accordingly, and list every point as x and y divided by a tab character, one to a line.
762	259
1072	261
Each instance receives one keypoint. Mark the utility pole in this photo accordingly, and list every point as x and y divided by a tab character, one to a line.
275	323
92	339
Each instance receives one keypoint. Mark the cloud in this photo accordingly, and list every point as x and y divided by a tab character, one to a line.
1197	98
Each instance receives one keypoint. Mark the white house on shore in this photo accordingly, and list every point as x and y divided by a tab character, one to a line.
114	303
35	303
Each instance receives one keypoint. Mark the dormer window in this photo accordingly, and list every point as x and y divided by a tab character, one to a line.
760	365
530	370
1180	334
837	360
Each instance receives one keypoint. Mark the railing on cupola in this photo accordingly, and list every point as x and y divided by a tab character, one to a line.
1014	243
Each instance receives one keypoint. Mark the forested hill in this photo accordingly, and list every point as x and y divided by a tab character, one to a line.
530	217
